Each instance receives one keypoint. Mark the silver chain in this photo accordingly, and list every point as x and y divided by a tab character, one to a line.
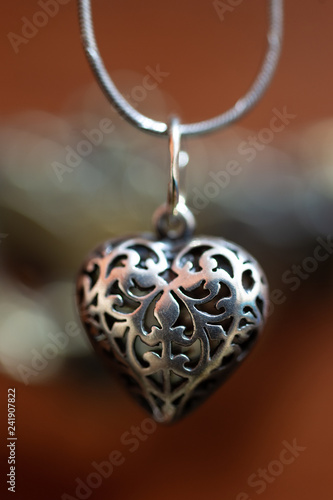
242	106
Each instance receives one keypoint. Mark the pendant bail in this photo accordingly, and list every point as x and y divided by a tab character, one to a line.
174	219
174	150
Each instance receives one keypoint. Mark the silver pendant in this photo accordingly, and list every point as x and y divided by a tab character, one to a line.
172	314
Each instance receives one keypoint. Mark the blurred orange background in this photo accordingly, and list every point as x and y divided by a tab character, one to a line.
283	391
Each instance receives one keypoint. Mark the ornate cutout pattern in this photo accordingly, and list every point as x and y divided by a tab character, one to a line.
174	318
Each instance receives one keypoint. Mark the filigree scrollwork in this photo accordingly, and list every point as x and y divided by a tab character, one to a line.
174	318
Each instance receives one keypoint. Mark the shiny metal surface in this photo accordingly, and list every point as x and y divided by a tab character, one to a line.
241	107
174	150
174	226
174	318
174	219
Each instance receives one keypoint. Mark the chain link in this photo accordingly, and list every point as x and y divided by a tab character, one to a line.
242	106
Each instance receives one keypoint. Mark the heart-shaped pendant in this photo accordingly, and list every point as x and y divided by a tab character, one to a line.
174	318
174	314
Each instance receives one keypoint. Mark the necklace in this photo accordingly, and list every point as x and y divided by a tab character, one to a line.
174	314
